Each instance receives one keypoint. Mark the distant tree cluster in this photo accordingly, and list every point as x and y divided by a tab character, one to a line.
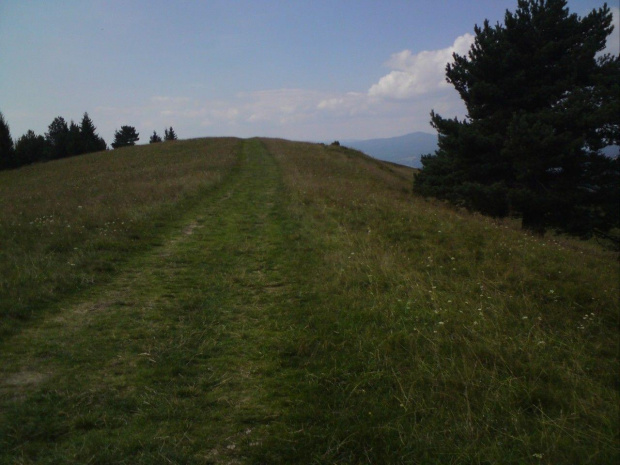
169	134
62	140
541	106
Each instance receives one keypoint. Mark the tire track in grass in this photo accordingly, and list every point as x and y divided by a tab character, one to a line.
171	362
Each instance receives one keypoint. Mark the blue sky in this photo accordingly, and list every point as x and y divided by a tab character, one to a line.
305	70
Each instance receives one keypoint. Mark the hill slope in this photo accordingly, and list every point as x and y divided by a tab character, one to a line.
297	305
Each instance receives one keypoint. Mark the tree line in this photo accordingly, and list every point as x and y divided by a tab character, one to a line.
63	140
60	141
542	103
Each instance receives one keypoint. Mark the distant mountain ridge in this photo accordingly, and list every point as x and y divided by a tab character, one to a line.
405	150
409	148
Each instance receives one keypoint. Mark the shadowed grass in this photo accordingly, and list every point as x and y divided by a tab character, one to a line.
433	336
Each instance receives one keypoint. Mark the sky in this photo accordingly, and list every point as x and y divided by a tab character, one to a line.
315	70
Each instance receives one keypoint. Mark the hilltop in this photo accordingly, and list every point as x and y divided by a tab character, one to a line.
269	301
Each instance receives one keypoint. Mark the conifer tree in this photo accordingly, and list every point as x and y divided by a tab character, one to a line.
74	140
58	138
31	148
154	138
540	106
125	137
169	134
7	150
90	141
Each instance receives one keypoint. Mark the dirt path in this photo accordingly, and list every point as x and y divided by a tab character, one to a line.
175	360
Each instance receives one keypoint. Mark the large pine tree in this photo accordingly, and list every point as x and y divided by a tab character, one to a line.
57	136
90	141
540	106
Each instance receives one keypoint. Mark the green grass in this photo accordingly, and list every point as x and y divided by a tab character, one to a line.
302	307
67	224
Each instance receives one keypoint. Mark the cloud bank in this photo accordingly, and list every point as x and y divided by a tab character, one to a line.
420	73
398	103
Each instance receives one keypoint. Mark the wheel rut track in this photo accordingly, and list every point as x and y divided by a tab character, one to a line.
179	347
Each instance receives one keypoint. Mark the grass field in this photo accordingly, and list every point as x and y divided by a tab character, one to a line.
66	225
268	301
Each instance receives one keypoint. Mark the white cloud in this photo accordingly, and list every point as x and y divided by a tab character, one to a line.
279	106
420	73
350	104
398	103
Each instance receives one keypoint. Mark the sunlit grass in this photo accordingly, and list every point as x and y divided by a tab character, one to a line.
66	224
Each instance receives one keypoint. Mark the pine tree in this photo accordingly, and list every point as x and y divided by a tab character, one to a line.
154	138
169	134
90	141
540	107
7	150
125	137
74	140
31	148
58	138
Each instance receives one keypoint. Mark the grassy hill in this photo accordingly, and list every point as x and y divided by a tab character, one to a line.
268	301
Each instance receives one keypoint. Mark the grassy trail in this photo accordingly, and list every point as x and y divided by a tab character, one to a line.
169	362
307	309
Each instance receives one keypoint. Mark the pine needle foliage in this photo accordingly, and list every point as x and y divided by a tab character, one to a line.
541	104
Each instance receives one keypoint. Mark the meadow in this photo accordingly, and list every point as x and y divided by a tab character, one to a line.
66	225
286	302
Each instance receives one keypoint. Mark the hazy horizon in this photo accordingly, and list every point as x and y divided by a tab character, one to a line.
305	70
